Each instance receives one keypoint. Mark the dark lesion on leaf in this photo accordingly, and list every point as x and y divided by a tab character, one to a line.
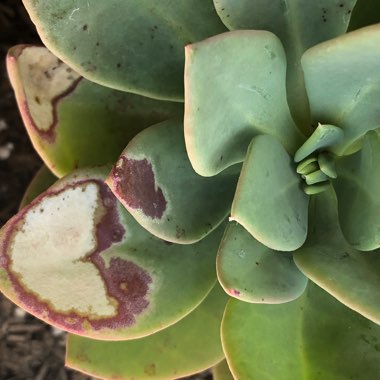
135	184
125	282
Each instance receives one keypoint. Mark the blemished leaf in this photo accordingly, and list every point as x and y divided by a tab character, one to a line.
351	276
299	24
358	191
314	337
187	347
77	259
134	45
342	79
235	90
252	272
269	201
155	181
71	121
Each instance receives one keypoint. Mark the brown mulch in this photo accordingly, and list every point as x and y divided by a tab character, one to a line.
29	349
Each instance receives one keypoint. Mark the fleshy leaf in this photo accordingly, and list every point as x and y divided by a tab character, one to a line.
252	272
269	201
289	341
73	122
342	79
76	259
134	45
324	136
189	346
299	24
235	90
157	184
307	166
221	371
40	182
326	162
358	191
351	276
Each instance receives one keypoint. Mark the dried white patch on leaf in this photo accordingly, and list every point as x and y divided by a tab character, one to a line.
44	78
49	250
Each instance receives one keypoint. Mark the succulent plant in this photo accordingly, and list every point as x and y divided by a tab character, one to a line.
265	160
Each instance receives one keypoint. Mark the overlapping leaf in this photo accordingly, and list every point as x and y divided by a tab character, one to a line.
342	78
221	371
252	272
155	181
134	45
189	346
73	122
326	258
358	191
314	337
42	180
244	71
269	201
75	258
299	24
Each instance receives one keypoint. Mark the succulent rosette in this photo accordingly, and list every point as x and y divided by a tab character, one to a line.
270	169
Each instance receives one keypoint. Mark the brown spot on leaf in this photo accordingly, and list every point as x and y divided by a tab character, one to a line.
135	183
124	281
27	102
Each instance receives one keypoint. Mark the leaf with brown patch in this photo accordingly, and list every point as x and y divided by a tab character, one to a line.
155	181
76	259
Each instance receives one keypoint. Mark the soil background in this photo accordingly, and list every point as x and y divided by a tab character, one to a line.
29	349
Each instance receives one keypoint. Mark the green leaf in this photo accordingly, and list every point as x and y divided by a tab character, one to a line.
78	260
269	201
358	192
317	188
299	24
221	371
326	162
324	136
189	346
307	166
252	272
73	122
235	90
155	181
351	276
312	338
134	45
42	180
342	79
